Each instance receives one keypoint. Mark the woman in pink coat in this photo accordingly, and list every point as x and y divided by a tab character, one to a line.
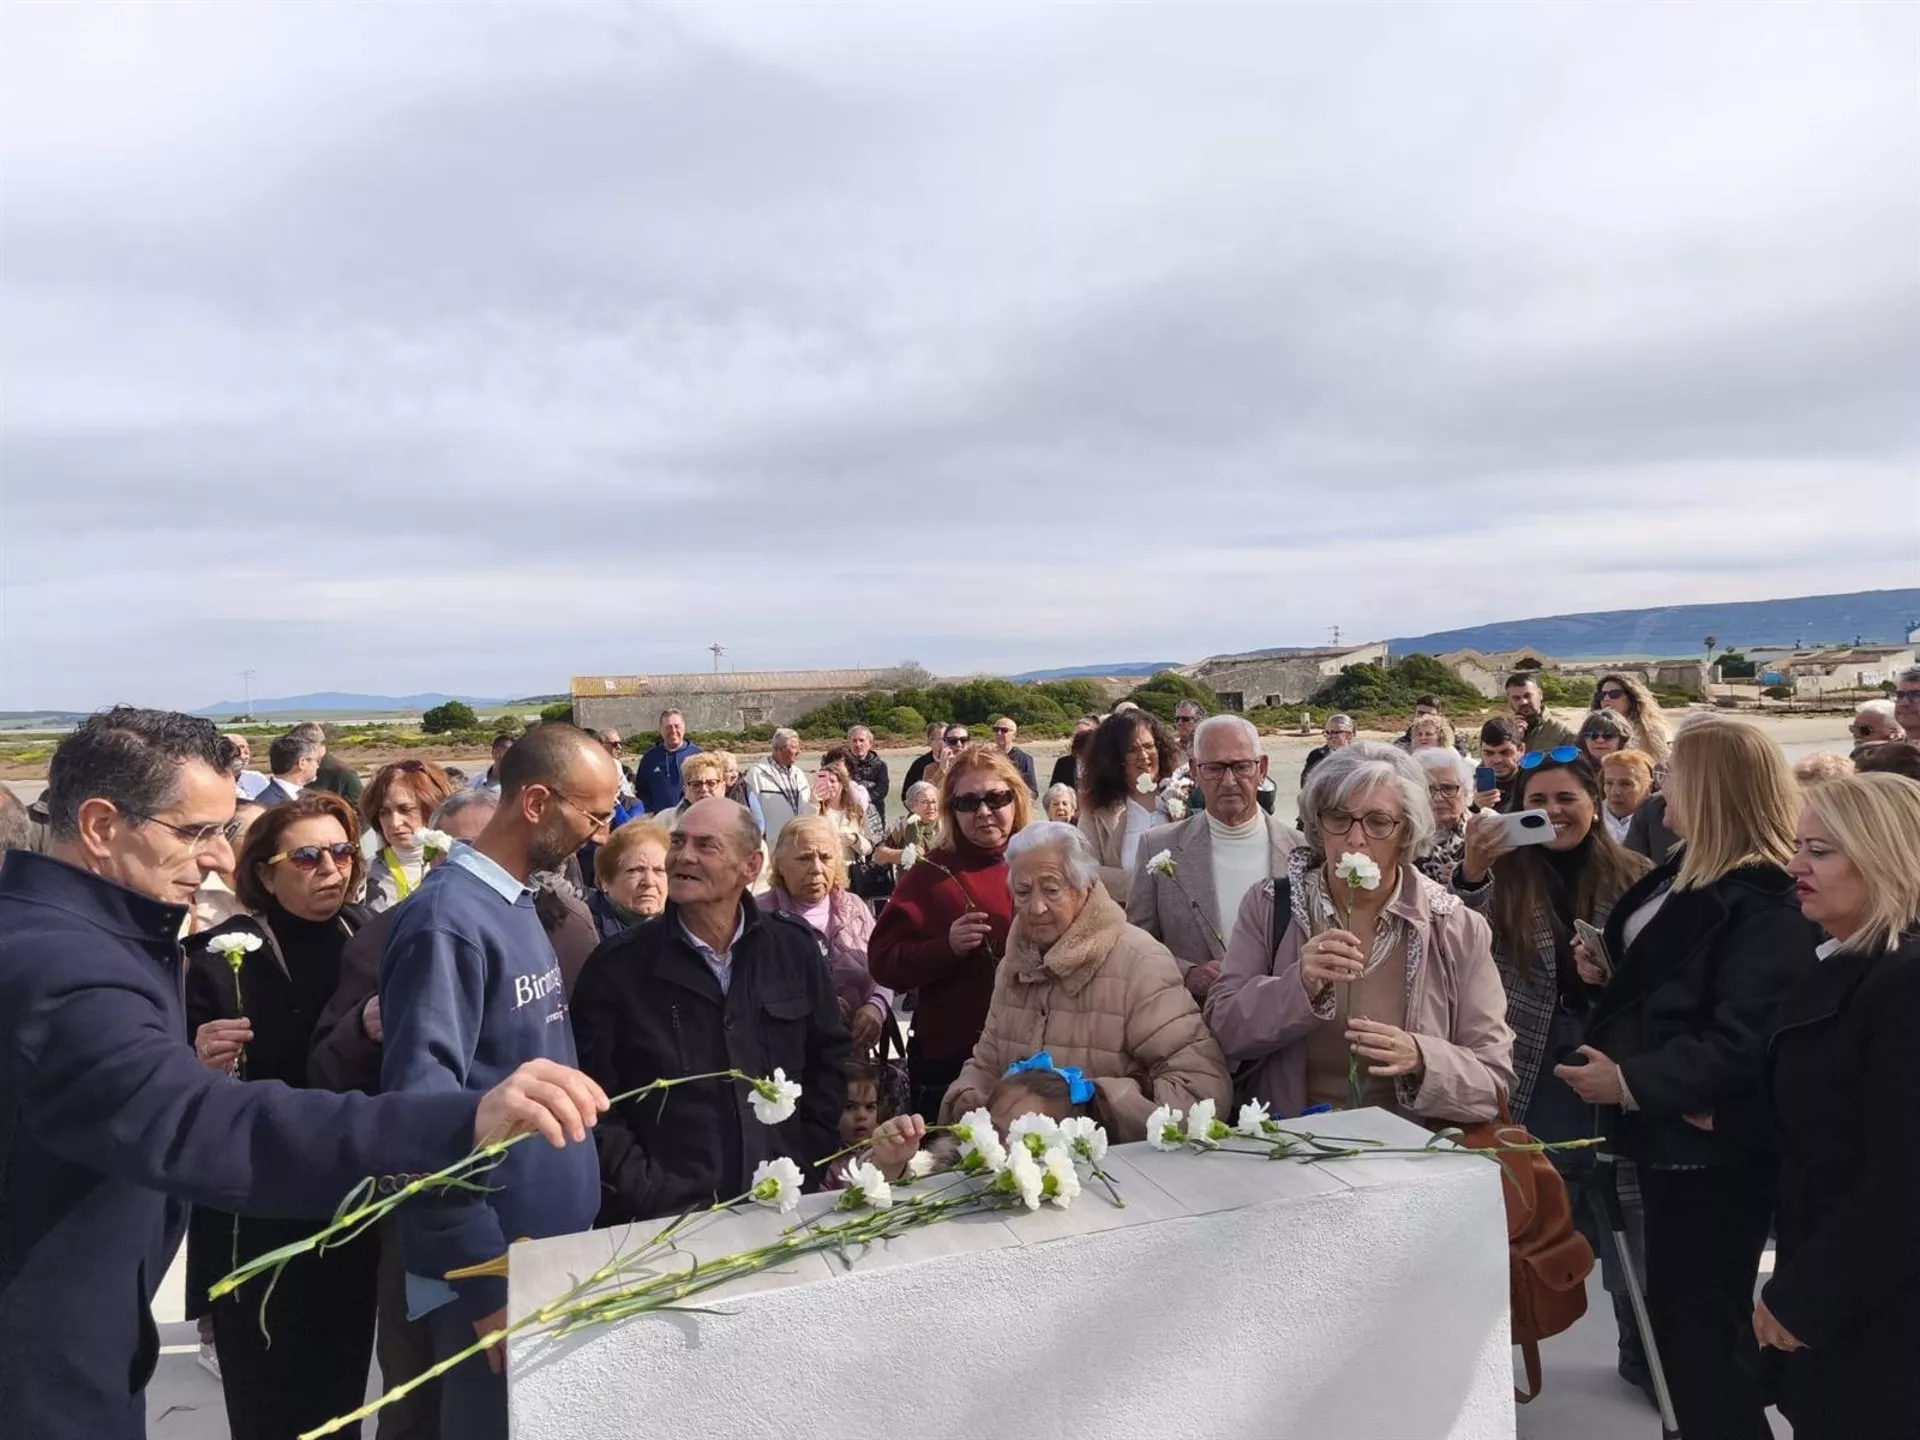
1375	990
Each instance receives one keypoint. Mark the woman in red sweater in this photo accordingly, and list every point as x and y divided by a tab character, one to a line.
945	928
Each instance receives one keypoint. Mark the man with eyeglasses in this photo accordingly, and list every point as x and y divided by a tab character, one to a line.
114	1126
1906	701
470	988
1218	855
1004	729
1874	723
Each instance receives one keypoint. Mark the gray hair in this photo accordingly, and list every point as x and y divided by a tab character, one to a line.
1908	676
1083	866
1053	790
784	736
1445	758
287	753
853	730
1190	707
459	801
1348	773
915	790
1883	709
1220	724
1341	722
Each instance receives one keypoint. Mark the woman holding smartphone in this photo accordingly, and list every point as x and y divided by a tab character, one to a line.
1703	947
1533	894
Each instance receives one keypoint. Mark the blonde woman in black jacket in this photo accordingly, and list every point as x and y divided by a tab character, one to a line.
1703	948
1841	1314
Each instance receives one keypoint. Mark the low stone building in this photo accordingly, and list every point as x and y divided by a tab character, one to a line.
1277	677
724	700
1488	673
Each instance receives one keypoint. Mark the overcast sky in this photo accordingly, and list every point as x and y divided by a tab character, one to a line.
467	347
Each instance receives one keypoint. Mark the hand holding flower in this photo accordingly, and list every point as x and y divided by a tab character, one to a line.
1329	956
1388	1050
895	1143
218	1043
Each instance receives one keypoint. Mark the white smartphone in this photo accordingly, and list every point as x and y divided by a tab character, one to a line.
1597	943
1527	827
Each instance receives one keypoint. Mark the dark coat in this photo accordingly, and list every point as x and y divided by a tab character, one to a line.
274	793
872	773
1689	1006
1839	1089
1066	771
1647	832
109	1126
1023	762
647	1008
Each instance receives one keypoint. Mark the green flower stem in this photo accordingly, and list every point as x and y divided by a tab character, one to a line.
859	1145
359	1210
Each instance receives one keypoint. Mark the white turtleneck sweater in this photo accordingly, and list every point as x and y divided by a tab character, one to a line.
1240	861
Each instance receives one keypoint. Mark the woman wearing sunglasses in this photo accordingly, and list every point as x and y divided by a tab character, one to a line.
945	928
396	804
1702	947
300	863
1628	697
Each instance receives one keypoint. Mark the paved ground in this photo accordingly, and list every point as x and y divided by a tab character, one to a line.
1583	1399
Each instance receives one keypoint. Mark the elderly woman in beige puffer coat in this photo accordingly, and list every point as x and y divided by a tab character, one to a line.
1097	993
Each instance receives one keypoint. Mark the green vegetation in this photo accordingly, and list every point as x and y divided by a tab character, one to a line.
454	715
1389	691
560	713
1162	695
1045	709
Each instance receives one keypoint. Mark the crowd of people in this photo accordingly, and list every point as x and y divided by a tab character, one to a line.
1705	957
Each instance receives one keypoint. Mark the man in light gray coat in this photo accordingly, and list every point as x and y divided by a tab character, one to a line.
1188	899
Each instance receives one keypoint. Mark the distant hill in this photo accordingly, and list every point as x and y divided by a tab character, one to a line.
1872	616
38	719
1097	672
333	701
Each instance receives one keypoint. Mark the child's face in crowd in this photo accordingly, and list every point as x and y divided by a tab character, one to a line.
1009	1103
860	1114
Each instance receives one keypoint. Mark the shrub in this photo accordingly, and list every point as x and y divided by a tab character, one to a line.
903	720
454	715
1161	695
1778	692
508	725
1392	689
561	713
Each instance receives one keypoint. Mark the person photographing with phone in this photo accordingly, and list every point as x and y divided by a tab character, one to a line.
1538	870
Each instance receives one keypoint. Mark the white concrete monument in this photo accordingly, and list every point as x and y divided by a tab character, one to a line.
1232	1297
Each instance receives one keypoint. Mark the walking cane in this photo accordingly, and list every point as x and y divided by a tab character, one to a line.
1612	1217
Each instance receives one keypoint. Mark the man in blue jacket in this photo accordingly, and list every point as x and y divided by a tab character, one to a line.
469	990
657	777
109	1125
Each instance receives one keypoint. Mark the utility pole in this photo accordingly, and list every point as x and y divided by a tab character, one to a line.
246	680
718	650
1336	637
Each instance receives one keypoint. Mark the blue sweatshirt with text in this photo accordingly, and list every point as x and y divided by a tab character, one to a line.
469	991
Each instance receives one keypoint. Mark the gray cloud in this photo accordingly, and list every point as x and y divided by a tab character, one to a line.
470	348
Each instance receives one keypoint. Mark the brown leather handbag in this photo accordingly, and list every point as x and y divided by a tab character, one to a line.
1548	1260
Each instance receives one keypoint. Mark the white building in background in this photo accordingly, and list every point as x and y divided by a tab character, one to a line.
1864	667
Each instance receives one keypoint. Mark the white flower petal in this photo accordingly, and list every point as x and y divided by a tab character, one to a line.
773	1100
1163	1129
777	1184
1253	1120
921	1165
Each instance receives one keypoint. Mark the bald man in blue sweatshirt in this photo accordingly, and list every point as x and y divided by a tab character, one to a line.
470	989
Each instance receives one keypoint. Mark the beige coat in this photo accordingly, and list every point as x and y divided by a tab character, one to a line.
1106	831
1108	999
1456	1005
1178	910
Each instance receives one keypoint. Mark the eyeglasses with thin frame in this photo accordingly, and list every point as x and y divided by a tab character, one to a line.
1377	824
1443	791
984	799
600	822
198	837
307	857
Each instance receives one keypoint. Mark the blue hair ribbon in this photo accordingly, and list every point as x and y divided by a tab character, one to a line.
1079	1088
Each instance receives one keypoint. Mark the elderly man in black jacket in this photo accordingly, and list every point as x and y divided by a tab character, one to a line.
110	1127
713	983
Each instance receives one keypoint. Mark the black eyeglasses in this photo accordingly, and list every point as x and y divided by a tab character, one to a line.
1239	769
307	857
1559	755
1003	729
987	799
1378	824
956	740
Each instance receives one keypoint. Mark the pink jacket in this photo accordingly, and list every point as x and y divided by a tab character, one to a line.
849	928
1456	1005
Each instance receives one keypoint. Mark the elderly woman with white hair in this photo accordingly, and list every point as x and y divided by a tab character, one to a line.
1356	980
1097	994
1450	792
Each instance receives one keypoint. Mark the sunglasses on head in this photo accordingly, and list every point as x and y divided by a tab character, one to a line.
1559	755
307	857
986	799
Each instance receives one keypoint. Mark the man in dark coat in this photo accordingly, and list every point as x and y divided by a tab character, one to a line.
868	769
713	983
1004	729
109	1124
